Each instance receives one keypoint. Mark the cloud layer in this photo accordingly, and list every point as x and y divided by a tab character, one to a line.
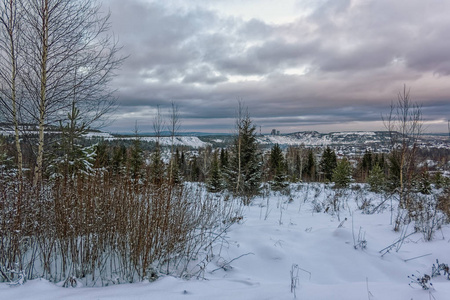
313	65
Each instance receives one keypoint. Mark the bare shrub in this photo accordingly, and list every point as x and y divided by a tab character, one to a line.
427	215
443	203
106	229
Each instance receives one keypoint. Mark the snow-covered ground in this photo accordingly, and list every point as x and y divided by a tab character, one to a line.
284	234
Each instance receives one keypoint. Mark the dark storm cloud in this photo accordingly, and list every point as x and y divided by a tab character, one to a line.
343	62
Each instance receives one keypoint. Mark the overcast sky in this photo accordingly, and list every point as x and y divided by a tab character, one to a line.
323	65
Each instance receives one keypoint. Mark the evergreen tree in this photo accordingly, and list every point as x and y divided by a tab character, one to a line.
175	173
215	182
376	179
438	180
394	170
194	169
277	167
243	173
424	182
365	165
223	159
69	156
328	163
342	174
298	165
309	170
136	159
182	166
119	158
157	167
103	159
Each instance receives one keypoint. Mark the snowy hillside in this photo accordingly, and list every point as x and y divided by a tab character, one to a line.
309	138
314	138
287	246
189	141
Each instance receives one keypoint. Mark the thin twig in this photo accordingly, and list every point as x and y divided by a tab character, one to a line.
228	263
369	294
405	260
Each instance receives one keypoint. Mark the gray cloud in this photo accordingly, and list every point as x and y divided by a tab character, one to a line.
342	63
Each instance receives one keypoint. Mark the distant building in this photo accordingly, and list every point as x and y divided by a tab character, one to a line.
275	132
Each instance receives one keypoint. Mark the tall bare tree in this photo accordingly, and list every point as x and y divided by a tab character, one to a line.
173	127
405	125
70	58
10	19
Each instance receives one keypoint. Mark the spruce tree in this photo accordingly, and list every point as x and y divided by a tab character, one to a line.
365	166
119	158
342	174
243	173
176	173
394	171
309	169
328	163
103	159
157	167
438	179
194	169
136	159
277	168
223	159
69	156
424	182
215	182
376	179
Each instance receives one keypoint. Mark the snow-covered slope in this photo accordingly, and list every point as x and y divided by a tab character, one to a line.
281	234
314	138
309	138
190	141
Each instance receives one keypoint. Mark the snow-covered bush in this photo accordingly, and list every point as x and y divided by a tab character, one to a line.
427	216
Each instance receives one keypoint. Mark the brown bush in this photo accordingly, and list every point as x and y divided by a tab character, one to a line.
107	229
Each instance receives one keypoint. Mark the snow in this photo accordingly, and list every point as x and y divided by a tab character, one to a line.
313	138
191	141
104	135
362	133
255	260
305	139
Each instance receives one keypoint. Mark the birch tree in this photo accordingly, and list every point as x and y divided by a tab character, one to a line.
10	45
404	124
173	127
69	59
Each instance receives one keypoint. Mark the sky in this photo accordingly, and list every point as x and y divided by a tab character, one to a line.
298	65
